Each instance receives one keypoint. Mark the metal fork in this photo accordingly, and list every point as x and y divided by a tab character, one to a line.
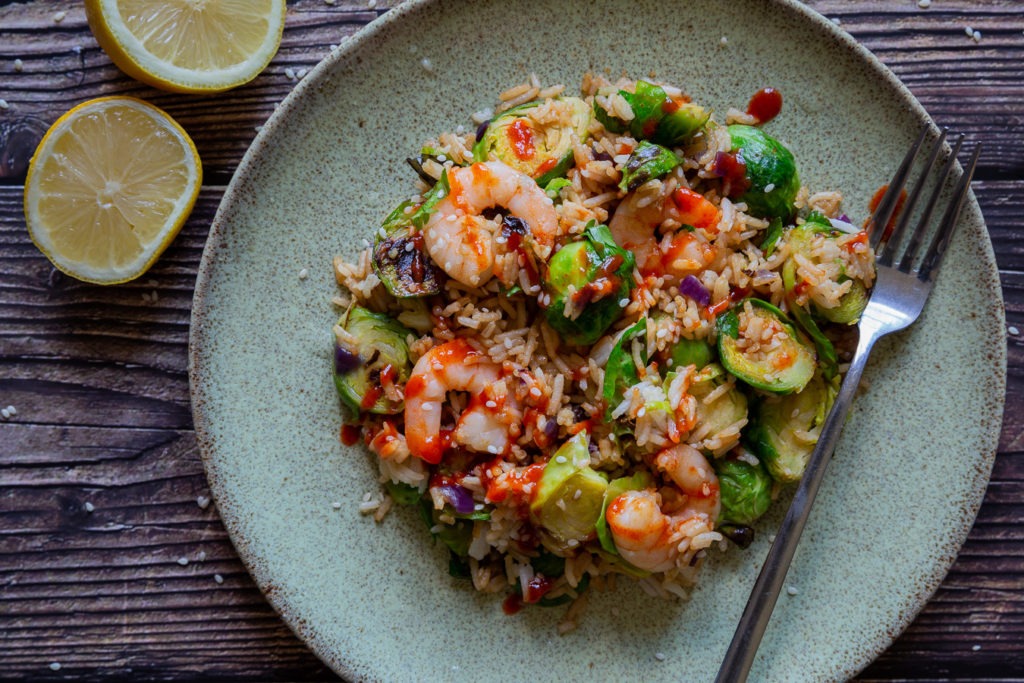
900	292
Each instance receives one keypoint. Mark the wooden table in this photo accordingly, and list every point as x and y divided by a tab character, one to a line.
113	564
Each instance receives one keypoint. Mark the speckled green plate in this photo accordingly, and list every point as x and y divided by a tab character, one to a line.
375	600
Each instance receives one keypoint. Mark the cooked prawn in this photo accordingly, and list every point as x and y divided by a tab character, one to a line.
636	222
483	426
462	241
647	530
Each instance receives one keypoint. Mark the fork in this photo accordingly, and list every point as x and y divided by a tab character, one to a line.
903	282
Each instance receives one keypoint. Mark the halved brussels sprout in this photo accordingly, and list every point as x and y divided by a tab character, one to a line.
656	116
647	162
373	352
770	172
399	257
569	495
591	276
687	352
727	409
785	429
541	152
745	490
782	369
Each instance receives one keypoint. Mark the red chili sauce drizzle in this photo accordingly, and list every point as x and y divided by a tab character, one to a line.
876	199
733	173
350	434
520	136
765	105
387	376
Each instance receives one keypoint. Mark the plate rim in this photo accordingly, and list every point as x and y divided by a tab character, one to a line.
309	633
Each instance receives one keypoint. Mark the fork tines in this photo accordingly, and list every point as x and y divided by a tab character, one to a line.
886	238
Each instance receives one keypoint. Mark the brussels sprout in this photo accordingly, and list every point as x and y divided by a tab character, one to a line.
656	116
372	353
687	352
727	409
647	162
745	491
543	153
801	237
638	482
592	276
569	495
399	257
403	493
620	371
785	429
784	369
770	172
457	536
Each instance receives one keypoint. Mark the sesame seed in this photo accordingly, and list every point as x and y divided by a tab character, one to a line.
769	187
19	65
427	64
6	414
153	296
837	21
723	41
183	561
303	274
924	4
975	647
203	502
577	494
491	404
218	578
145	297
534	391
623	303
427	407
408	246
329	2
4	104
54	666
332	47
641	412
791	590
89	507
492	449
202	556
336	505
1011	329
969	31
660	656
301	73
59	17
371	3
290	73
976	36
560	459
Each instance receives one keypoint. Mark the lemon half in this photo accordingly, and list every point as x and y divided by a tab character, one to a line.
109	187
194	46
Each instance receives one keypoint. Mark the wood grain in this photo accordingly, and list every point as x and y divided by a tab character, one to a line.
99	379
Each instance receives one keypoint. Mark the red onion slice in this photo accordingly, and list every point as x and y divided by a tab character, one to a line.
692	287
460	498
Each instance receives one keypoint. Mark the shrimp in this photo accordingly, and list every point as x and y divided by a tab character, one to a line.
639	216
483	426
647	529
462	241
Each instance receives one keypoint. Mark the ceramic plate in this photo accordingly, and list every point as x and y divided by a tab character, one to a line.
375	600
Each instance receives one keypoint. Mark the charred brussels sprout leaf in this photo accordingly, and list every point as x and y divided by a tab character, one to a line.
543	152
770	172
647	162
772	237
399	257
402	493
375	352
589	277
656	116
745	489
620	372
785	368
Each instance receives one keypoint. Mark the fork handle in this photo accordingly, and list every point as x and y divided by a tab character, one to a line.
740	655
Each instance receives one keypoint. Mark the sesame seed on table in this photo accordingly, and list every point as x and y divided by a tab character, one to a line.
113	563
